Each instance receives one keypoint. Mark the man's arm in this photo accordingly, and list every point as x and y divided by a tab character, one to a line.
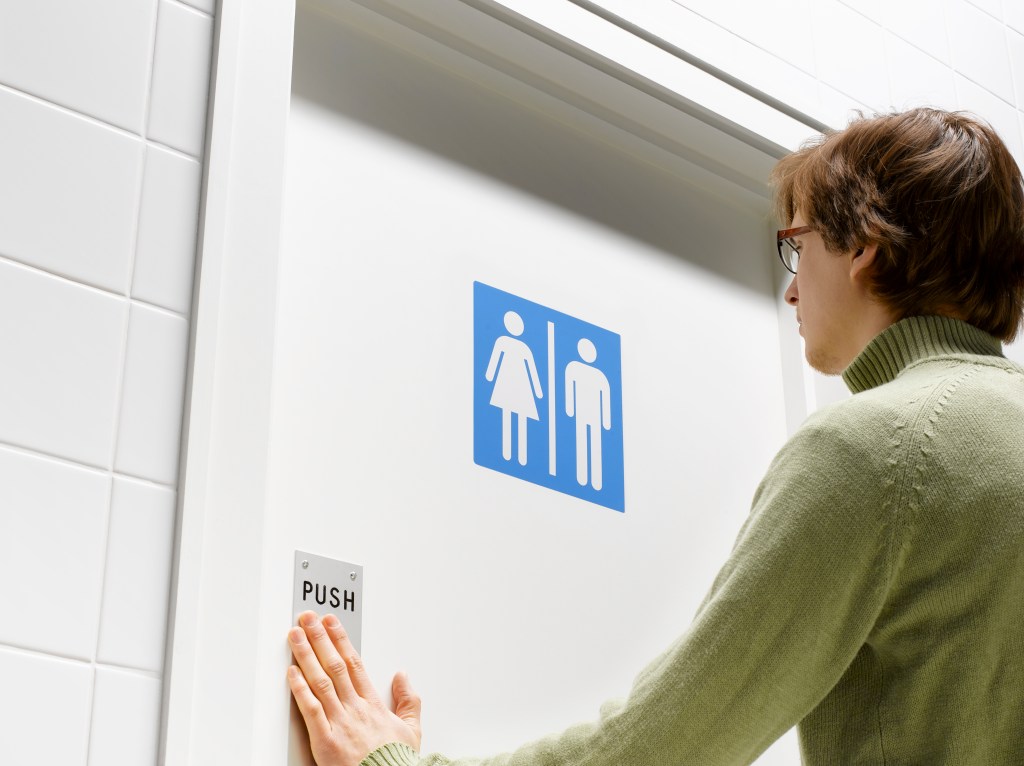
787	614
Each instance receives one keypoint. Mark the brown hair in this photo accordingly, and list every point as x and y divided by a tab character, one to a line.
940	195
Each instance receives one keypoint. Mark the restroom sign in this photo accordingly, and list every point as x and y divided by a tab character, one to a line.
547	397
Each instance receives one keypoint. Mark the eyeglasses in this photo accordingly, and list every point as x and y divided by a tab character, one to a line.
788	251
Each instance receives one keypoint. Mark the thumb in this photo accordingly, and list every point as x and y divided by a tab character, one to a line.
407	702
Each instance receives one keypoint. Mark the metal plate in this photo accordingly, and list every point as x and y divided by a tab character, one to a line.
330	586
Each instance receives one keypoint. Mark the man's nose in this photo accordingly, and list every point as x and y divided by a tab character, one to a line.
792	294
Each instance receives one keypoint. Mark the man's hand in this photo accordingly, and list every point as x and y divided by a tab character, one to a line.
345	717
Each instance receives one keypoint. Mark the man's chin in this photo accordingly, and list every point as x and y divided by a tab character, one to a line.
823	362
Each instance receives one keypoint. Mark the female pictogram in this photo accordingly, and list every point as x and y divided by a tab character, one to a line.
517	386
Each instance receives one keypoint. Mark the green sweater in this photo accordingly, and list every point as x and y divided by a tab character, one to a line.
875	595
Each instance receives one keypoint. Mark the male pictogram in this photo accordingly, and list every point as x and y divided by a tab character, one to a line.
588	399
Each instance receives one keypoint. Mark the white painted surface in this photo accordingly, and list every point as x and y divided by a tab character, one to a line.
68	192
977	50
91	57
125	719
168	225
181	74
45	706
51	553
137	576
153	395
61	350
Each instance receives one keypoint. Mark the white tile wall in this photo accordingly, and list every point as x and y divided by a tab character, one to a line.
856	66
1013	11
68	192
1015	42
916	78
125	719
98	226
45	707
104	48
978	49
52	541
181	73
1003	117
153	397
61	349
168	224
137	582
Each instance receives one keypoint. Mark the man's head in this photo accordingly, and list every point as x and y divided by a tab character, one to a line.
927	209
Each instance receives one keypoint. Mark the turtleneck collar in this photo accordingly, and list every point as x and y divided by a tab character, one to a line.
910	340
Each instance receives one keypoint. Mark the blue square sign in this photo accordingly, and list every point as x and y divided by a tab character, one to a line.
547	397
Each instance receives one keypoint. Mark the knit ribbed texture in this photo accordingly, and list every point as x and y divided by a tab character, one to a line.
875	595
395	754
911	339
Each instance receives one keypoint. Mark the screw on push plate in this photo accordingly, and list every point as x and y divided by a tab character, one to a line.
351	575
305	565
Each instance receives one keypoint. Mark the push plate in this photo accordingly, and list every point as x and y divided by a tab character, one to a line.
329	586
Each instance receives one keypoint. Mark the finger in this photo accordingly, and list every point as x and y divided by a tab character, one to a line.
309	706
356	669
330	660
408	705
321	684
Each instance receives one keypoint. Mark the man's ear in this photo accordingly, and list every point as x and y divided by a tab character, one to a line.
861	261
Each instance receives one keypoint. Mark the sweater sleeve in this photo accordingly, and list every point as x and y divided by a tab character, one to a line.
785	617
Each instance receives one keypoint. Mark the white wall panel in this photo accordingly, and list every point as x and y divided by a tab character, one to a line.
125	719
1014	15
92	57
45	707
68	192
181	73
137	576
61	351
916	78
1002	116
52	540
153	395
857	67
979	49
1015	42
168	224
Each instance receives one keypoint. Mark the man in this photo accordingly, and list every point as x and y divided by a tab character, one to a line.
875	596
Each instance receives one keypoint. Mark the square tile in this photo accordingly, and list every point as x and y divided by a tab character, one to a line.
921	23
1003	117
125	719
978	49
1015	41
181	78
153	395
52	544
917	79
68	193
45	706
860	74
61	353
1013	14
102	68
168	226
133	625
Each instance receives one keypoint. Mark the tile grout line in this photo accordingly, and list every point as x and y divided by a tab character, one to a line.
42	654
140	188
96	122
101	470
5	259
